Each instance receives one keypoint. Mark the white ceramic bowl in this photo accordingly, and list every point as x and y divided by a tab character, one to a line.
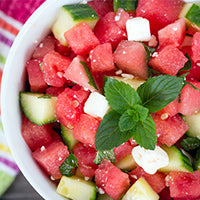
35	29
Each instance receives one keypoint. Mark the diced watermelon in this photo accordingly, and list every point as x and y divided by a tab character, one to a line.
121	17
195	47
69	106
189	99
165	194
156	181
172	34
184	185
54	91
111	179
122	151
35	136
77	74
63	50
85	129
54	64
81	38
101	58
159	12
169	130
131	57
35	76
168	60
47	45
50	157
194	72
170	110
107	30
85	156
101	6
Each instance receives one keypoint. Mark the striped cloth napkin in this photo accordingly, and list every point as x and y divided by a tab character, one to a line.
13	14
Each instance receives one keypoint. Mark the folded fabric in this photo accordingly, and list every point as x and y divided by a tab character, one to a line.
13	14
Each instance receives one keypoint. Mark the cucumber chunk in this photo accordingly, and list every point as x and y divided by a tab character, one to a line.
104	197
177	160
38	107
141	190
127	5
69	16
68	138
76	188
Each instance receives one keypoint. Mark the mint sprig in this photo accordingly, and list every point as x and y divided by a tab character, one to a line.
109	154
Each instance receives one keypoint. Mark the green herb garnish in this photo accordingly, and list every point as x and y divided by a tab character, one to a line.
109	154
188	64
190	143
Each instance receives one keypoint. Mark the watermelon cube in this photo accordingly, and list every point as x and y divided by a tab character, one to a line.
35	136
168	60
159	12
189	99
195	47
35	76
107	30
170	130
45	46
131	57
50	157
172	34
85	156
121	17
111	180
156	181
81	38
85	129
101	58
61	49
54	91
54	65
184	185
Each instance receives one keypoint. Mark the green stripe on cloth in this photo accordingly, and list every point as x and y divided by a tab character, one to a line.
2	59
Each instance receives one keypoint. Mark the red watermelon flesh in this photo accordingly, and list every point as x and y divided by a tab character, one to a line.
131	57
184	185
165	194
159	12
85	156
156	181
169	130
35	136
63	50
195	47
168	60
54	65
85	129
35	76
50	157
121	17
107	30
189	99
81	38
54	91
172	34
111	179
101	6
47	45
101	58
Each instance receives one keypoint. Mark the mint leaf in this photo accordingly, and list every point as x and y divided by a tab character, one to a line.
149	51
109	155
159	91
108	133
89	75
68	165
142	112
120	95
196	161
188	64
190	143
145	133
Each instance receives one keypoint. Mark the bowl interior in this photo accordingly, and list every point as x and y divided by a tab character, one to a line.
13	81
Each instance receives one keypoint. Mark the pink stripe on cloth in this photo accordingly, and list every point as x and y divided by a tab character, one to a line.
18	9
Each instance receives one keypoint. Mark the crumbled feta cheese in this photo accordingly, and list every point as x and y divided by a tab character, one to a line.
96	105
150	160
42	148
127	76
138	29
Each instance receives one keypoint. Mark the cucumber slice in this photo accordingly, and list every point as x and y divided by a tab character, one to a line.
69	16
141	190
194	125
127	5
76	188
104	197
38	107
68	138
177	160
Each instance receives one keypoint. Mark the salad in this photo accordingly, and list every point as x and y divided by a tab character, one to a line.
112	101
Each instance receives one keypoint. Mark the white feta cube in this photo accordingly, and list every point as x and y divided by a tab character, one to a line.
96	105
138	29
150	160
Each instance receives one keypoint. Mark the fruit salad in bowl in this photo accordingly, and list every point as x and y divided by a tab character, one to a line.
104	101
